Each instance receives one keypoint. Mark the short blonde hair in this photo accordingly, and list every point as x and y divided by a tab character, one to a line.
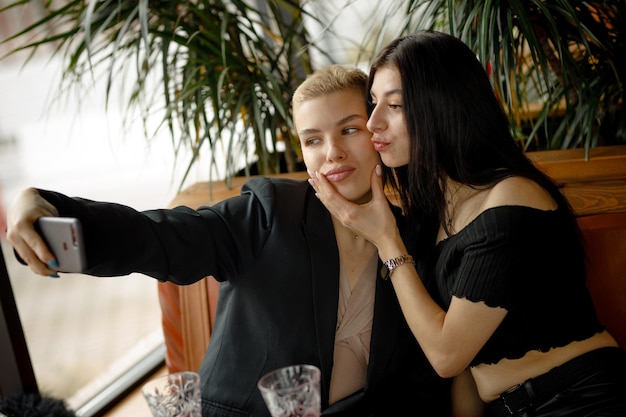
329	80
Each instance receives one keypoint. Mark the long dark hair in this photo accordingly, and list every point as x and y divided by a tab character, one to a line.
457	126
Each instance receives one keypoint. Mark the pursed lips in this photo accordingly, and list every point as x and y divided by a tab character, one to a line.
338	174
379	145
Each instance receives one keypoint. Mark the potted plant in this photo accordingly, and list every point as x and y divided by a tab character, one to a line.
223	69
558	66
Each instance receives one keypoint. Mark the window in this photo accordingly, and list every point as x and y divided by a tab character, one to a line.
82	332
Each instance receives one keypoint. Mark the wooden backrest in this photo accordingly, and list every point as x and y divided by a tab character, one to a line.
605	238
596	188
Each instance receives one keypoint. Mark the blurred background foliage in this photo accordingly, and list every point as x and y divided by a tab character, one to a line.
559	66
219	74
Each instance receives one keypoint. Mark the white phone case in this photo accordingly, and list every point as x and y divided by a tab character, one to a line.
64	237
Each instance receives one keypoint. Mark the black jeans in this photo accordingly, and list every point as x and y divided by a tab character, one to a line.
593	385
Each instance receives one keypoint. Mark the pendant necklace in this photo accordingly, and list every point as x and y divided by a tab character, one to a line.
450	209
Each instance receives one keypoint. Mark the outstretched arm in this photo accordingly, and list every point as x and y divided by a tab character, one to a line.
180	245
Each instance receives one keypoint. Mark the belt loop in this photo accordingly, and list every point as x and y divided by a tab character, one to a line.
519	399
531	391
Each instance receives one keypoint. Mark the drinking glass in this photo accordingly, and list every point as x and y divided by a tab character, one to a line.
292	391
174	395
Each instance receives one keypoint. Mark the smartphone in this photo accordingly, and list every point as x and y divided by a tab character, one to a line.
64	237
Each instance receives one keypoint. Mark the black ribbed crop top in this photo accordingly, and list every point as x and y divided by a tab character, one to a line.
529	262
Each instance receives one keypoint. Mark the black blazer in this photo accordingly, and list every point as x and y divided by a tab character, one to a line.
274	250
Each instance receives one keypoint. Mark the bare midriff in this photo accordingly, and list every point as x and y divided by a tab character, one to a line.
493	380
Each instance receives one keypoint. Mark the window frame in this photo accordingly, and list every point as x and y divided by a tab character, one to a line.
18	374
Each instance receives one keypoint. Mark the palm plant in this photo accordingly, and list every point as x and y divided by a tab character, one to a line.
568	56
224	70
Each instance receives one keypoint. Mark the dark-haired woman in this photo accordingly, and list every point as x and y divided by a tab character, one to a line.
498	241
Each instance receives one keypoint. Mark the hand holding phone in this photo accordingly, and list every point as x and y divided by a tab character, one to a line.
64	237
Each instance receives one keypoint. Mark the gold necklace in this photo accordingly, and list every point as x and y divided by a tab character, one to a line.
450	208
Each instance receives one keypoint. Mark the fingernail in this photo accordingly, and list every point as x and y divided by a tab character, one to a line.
379	170
311	182
53	264
54	276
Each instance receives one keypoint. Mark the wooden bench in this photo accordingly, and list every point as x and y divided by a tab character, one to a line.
596	188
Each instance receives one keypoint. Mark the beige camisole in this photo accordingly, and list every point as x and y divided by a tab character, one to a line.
354	330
